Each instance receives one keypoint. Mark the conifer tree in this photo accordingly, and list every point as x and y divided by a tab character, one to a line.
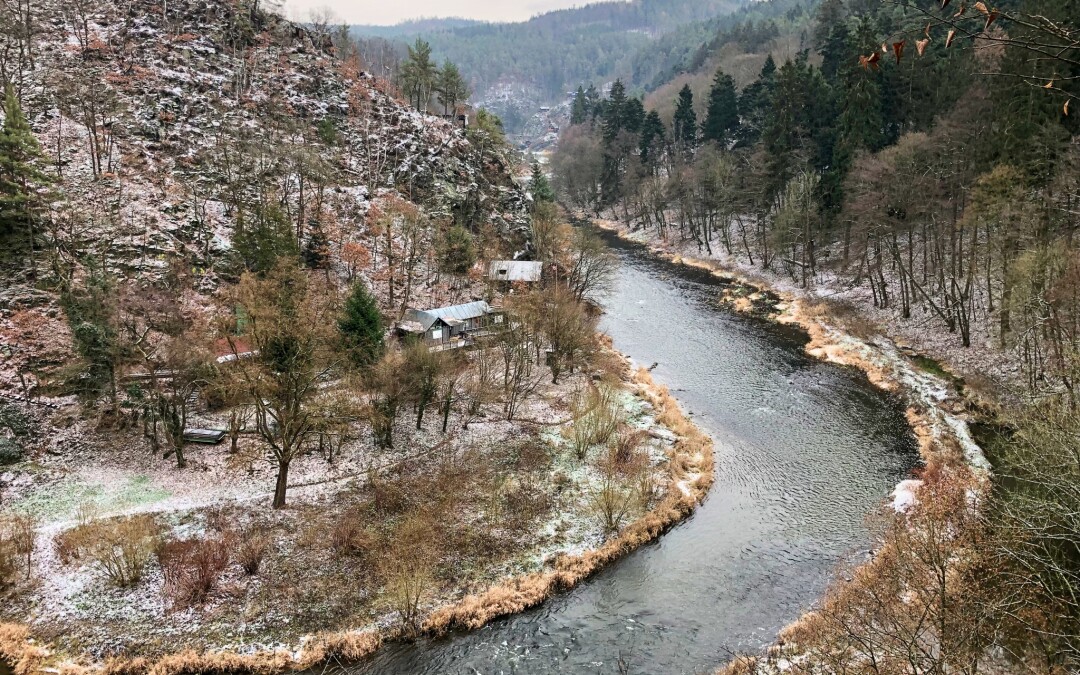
652	140
419	74
579	111
457	254
723	114
316	252
21	176
614	115
633	115
540	186
754	103
361	327
451	87
685	121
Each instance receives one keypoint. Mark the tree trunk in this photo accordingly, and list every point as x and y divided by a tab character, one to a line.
282	484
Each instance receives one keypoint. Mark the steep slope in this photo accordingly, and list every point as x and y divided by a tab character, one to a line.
161	119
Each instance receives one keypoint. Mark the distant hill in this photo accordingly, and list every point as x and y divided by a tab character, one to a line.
554	52
414	27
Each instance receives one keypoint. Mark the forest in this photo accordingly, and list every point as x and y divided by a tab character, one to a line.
219	433
921	160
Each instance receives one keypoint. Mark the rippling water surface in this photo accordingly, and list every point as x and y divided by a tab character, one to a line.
804	450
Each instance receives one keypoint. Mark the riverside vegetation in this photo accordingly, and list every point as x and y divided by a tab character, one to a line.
907	170
214	218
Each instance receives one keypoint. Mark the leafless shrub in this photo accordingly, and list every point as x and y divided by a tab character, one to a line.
408	570
627	444
612	502
250	551
121	548
351	538
86	513
597	416
389	495
192	568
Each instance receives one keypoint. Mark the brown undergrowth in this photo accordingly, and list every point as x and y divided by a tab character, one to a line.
690	474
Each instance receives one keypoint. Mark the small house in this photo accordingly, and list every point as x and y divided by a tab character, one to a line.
516	271
448	327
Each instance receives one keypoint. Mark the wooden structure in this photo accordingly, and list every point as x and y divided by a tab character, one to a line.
451	327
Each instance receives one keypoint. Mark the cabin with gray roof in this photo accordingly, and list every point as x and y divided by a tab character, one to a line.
449	327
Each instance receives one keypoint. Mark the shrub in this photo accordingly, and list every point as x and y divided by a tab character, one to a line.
351	538
627	443
10	451
120	548
192	568
612	502
407	570
251	551
597	416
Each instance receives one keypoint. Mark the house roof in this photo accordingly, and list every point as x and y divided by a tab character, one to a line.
515	270
451	316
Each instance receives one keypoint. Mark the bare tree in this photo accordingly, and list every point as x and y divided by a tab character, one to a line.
289	330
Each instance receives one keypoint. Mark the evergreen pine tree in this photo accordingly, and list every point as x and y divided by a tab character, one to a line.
652	140
633	115
685	121
754	104
540	186
261	238
593	102
614	112
723	114
361	327
451	87
316	252
579	111
21	176
457	254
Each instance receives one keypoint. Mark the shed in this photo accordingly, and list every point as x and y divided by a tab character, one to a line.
516	270
207	436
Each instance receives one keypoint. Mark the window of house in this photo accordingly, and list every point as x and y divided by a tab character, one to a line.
498	318
436	333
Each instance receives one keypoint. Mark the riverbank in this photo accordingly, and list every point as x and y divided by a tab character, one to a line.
939	407
941	403
682	457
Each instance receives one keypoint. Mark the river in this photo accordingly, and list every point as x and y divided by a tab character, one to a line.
804	451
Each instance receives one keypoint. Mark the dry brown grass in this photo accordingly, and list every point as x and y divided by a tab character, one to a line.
19	650
691	458
689	477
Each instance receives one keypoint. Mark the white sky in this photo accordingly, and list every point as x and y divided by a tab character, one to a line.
388	12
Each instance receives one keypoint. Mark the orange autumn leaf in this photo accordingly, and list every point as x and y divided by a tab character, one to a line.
944	4
1065	109
982	8
949	38
927	31
990	18
1049	85
920	46
898	49
960	12
873	60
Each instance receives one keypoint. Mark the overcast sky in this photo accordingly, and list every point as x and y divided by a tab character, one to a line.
392	11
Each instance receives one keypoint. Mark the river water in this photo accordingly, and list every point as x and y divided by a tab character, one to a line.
804	451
